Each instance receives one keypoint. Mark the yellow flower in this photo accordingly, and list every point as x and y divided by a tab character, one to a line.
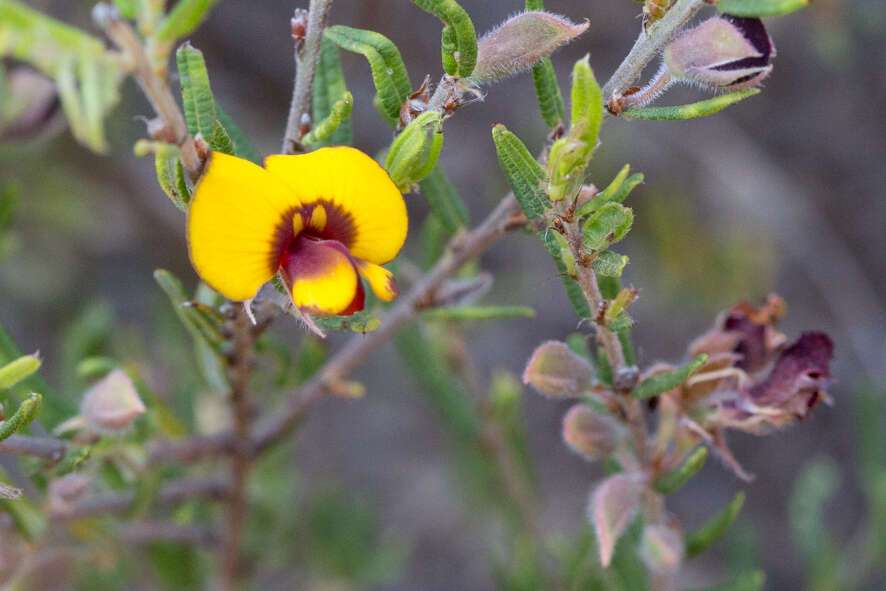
321	219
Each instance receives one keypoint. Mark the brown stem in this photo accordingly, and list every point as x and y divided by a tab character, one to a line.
147	532
155	89
240	369
172	493
306	66
41	447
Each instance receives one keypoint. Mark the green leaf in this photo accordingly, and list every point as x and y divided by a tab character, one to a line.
219	140
437	381
388	72
362	322
27	412
434	238
525	176
606	226
200	323
199	105
690	111
459	43
478	312
446	204
547	91
128	8
329	87
415	150
339	114
57	408
587	104
183	18
87	78
171	176
702	538
625	189
535	5
672	481
758	8
573	291
609	264
242	146
29	520
15	371
178	567
655	385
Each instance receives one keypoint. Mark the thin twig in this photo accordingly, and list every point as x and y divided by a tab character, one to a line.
648	44
172	493
240	371
306	66
155	89
153	531
41	447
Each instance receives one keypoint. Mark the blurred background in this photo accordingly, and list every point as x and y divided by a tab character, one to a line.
781	193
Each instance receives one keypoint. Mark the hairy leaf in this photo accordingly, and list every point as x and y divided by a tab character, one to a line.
459	43
329	87
692	110
700	540
758	8
388	72
443	199
525	176
183	18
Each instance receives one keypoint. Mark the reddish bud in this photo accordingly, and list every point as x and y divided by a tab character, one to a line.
112	403
662	548
556	371
32	108
589	433
723	52
613	506
520	42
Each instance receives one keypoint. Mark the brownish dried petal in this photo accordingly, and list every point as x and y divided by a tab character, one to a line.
800	375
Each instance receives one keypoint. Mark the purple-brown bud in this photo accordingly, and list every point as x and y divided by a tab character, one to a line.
32	107
112	403
556	371
520	42
724	52
589	433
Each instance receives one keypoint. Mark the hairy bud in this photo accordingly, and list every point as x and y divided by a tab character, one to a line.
556	371
725	52
589	433
662	548
112	403
520	42
31	107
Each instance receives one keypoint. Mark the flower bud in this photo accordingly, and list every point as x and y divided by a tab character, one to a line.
415	150
612	507
725	52
556	371
589	433
662	548
31	105
520	42
112	403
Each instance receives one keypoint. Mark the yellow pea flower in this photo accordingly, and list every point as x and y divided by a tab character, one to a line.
321	219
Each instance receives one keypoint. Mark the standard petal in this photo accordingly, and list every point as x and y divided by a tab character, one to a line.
380	280
321	277
360	188
238	221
